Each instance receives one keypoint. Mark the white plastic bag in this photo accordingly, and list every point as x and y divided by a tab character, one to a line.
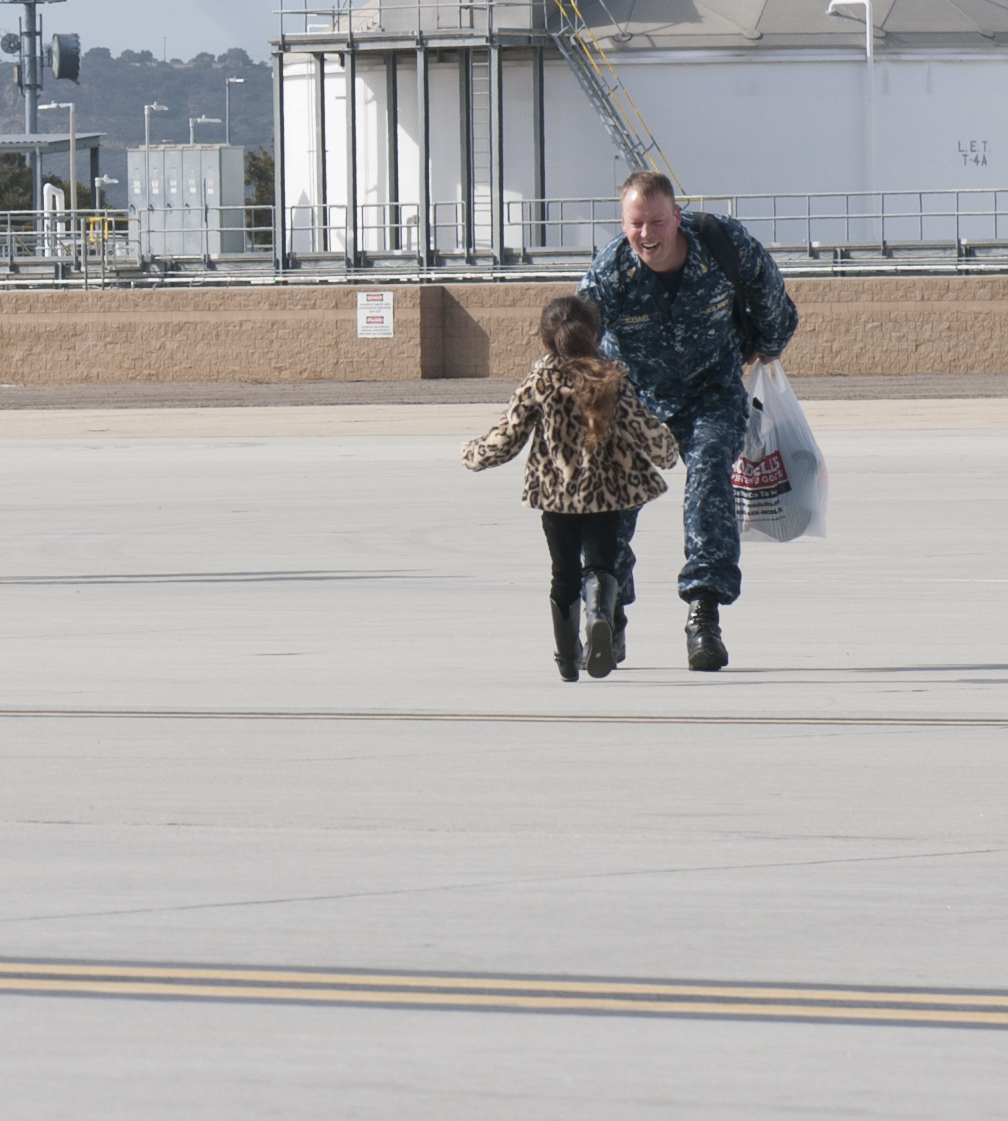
780	479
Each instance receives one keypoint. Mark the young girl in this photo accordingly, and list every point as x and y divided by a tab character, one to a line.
594	452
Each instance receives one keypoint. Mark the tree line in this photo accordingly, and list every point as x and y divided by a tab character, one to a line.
110	100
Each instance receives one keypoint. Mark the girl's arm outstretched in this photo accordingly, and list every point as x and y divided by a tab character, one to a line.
507	438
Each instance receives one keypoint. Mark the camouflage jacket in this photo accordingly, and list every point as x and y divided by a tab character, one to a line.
676	349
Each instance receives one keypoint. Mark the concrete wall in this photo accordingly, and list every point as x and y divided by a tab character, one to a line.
242	334
848	326
957	325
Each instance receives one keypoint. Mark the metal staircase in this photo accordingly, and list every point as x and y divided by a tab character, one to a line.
601	84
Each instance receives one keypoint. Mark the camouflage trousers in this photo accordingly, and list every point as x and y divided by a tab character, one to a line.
710	432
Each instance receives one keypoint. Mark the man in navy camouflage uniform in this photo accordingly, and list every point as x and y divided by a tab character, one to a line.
666	312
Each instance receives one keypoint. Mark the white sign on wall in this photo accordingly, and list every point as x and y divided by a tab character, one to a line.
374	315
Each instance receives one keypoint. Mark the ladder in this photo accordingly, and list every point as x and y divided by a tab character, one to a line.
481	169
601	84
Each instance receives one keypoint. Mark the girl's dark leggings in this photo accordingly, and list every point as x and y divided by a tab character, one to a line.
571	536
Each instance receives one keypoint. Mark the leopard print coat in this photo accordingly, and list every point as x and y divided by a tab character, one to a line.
562	475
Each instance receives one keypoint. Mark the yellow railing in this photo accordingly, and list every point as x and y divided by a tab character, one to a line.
100	229
614	93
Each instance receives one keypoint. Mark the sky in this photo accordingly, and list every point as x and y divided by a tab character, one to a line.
182	27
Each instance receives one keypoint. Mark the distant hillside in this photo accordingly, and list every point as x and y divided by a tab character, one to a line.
113	92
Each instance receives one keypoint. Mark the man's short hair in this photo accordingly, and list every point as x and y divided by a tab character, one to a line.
648	184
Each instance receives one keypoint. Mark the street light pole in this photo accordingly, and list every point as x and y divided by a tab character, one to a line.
73	163
31	87
227	106
148	109
73	147
204	120
30	37
102	181
64	58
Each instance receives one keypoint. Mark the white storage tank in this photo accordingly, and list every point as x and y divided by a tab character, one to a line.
744	97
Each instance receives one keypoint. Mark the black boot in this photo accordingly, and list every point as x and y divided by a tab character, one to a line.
600	602
703	635
618	638
566	632
619	634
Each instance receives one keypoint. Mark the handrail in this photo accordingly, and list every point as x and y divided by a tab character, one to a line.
50	237
356	17
953	230
587	59
809	224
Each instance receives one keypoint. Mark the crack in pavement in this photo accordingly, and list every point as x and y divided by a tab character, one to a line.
391	892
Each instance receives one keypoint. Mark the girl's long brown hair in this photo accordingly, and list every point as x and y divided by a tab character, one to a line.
570	328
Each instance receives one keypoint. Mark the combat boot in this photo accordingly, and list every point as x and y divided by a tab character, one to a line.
704	647
600	602
566	633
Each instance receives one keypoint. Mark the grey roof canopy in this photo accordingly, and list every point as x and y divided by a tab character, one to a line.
47	142
775	24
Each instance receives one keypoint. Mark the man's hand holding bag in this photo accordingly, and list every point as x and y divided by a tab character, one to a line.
780	480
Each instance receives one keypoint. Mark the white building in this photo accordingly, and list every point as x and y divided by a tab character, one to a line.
742	96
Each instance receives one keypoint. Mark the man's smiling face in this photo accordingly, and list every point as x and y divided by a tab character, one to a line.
652	228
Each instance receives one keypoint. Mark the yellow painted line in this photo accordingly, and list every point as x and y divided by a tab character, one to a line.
503	985
515	718
537	994
518	1003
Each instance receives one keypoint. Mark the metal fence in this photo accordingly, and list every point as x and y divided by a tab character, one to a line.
99	246
383	230
893	231
203	233
886	224
92	243
883	222
808	231
359	17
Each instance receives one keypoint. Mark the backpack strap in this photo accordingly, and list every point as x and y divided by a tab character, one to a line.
721	247
726	255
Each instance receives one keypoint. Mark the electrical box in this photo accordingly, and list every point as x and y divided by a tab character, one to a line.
187	200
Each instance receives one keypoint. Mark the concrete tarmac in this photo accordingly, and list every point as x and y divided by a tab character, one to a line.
277	694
